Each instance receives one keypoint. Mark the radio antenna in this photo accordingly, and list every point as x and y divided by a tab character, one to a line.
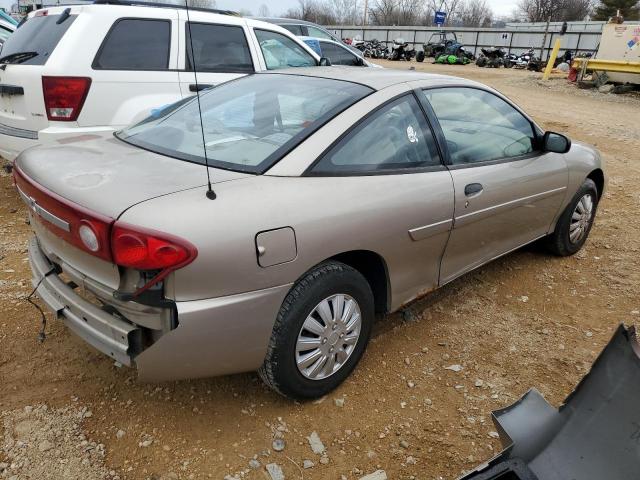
211	195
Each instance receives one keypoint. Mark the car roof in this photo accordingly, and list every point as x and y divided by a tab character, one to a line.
292	21
377	79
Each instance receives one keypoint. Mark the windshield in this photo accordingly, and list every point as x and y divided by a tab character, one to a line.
35	40
249	124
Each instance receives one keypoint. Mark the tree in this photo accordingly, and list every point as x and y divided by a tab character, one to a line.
202	3
475	13
264	11
629	9
557	10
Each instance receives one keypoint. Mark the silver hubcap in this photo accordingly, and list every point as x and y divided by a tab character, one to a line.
581	219
328	337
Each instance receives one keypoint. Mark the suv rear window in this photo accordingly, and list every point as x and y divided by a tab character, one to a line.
135	44
36	39
218	48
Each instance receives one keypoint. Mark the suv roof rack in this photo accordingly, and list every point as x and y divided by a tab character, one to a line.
140	3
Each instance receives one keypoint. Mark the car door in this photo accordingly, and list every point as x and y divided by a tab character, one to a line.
222	52
386	185
507	192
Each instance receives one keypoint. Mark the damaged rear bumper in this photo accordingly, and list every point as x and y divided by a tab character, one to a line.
203	338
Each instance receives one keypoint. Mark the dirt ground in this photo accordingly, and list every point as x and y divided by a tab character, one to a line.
526	320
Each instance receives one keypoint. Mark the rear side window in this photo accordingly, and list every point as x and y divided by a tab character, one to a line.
395	138
135	44
218	48
34	42
317	33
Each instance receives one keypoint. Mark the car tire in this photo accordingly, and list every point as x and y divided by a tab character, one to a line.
575	223
324	283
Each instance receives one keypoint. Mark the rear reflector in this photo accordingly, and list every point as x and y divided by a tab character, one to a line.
64	97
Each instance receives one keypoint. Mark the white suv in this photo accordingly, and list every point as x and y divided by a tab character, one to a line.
87	70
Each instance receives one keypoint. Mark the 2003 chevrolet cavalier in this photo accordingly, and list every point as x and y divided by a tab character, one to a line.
339	193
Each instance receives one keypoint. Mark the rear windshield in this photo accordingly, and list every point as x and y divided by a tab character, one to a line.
249	124
34	42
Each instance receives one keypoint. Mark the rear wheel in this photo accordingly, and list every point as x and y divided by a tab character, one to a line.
321	332
481	61
420	57
575	223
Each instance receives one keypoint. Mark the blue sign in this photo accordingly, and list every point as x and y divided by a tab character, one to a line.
440	18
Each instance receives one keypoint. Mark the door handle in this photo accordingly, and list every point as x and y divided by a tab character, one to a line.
201	86
473	189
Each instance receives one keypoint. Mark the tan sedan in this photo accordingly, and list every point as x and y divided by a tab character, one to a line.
320	198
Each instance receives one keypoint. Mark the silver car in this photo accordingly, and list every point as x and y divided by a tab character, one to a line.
331	195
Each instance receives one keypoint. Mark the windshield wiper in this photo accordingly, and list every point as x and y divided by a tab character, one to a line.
18	57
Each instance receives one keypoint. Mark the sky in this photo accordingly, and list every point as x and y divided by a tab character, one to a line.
277	7
499	7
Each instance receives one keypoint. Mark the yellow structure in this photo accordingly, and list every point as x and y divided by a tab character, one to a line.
552	60
618	66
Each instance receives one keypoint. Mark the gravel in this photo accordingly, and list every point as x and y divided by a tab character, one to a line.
377	475
275	471
44	443
315	443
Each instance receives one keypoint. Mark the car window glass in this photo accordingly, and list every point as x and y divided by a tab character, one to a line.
248	123
479	126
295	29
218	48
4	34
39	35
395	137
136	44
337	54
282	52
318	33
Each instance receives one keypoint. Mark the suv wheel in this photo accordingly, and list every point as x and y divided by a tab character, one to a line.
321	332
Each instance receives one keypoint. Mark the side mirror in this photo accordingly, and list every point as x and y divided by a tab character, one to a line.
325	62
555	142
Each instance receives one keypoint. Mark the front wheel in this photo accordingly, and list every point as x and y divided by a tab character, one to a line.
321	332
575	223
420	57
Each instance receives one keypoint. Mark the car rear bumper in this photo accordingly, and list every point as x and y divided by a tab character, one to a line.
213	337
13	141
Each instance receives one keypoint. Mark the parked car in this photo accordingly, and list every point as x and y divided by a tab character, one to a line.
86	70
337	52
335	194
302	28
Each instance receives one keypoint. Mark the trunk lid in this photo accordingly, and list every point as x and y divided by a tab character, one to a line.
109	176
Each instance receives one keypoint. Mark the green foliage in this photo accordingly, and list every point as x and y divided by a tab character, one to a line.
629	9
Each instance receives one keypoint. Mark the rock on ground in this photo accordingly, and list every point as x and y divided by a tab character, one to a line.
315	443
275	472
377	475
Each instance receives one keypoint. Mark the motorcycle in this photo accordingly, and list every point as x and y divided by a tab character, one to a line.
491	57
401	50
375	49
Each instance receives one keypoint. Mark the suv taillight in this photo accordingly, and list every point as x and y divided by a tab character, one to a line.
64	97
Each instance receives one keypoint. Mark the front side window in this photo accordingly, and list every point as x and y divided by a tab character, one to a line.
136	44
280	51
337	54
34	42
396	137
479	126
218	48
4	34
318	33
248	123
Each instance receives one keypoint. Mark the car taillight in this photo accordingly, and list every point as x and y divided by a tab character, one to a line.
148	250
81	227
64	97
